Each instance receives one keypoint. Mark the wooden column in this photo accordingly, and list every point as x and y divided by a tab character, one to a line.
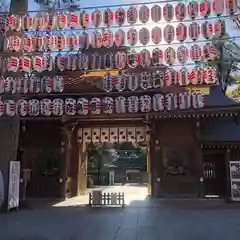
82	168
199	163
228	178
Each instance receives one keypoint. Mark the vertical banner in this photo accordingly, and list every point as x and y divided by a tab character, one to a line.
13	187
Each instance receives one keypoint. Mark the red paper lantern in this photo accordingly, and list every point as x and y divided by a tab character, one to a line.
194	31
168	12
144	36
144	14
193	10
73	20
132	36
181	32
156	35
195	53
120	16
207	30
218	7
180	11
182	54
156	13
108	17
132	15
96	18
107	39
170	55
205	8
169	33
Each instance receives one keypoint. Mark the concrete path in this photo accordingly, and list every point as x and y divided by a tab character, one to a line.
142	219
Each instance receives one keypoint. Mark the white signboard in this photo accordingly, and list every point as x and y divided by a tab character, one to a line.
13	188
235	180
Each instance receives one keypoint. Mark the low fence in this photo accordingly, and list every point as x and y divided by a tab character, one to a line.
99	199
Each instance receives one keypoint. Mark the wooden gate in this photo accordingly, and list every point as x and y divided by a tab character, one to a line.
214	174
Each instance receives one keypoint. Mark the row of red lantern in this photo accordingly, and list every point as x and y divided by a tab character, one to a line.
120	60
10	85
63	20
107	39
106	105
159	79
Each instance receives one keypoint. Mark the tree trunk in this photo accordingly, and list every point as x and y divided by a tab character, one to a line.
9	128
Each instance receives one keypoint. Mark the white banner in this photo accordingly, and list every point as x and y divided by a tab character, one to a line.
13	188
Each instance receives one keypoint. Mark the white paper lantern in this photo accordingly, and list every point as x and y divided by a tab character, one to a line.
107	39
34	84
85	61
58	84
182	54
82	106
158	79
184	77
73	20
71	62
219	28
108	17
96	61
120	104
95	106
209	51
27	22
9	85
96	18
218	7
2	85
144	36
10	107
107	105
197	76
180	11
108	61
156	13
195	53
47	84
120	16
27	43
14	22
72	41
25	64
83	41
12	64
2	108
33	107
107	82
132	59
193	9
132	15
120	82
132	36
119	38
170	77
14	43
120	60
205	8
145	103
58	107
48	62
61	41
170	55
197	100
169	33
60	62
96	39
133	104
144	14
70	106
61	20
133	82
168	12
184	100
207	29
210	75
22	85
46	107
181	32
52	22
38	43
231	6
145	80
194	31
22	108
158	102
156	34
170	101
145	58
157	57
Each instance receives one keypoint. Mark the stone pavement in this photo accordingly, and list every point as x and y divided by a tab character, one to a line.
142	219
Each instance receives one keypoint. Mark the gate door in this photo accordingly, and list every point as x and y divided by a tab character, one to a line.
214	175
